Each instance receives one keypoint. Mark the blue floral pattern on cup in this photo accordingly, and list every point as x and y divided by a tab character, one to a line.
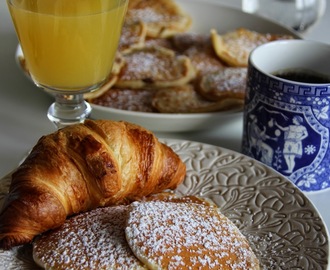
286	126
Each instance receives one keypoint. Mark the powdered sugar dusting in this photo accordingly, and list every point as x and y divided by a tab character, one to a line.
149	15
228	82
186	236
241	42
151	64
93	240
127	99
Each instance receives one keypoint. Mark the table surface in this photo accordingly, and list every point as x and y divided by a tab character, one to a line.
23	108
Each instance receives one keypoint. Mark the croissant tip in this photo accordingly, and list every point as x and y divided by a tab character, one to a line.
8	242
5	244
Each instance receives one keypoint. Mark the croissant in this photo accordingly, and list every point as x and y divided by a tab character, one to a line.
82	167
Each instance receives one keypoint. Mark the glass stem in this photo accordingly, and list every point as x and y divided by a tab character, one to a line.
68	110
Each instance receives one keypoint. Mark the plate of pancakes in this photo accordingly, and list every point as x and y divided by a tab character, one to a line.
282	227
181	65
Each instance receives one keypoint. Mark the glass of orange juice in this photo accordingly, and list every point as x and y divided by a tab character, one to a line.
69	47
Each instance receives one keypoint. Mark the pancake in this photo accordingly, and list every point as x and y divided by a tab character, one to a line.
204	61
162	231
172	197
184	99
154	67
92	240
167	235
184	41
199	49
161	42
223	84
126	99
234	47
132	35
162	18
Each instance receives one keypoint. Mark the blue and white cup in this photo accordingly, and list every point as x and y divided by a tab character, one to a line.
286	121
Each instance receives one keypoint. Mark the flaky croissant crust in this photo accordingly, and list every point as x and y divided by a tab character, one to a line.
80	168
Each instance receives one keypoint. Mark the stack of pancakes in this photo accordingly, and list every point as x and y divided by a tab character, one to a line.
161	232
161	67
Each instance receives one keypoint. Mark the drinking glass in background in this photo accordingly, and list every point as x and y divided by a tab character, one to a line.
299	15
69	48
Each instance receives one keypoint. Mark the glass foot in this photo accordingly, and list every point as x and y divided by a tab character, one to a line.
68	110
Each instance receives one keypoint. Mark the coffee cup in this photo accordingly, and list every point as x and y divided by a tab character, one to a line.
287	111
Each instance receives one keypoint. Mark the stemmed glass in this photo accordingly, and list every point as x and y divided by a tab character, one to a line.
69	47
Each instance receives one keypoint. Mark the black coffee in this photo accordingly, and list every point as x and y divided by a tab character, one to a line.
302	76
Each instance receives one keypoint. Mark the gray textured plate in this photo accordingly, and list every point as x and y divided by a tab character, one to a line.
282	225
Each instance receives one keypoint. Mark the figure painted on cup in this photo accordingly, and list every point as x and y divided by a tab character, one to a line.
257	137
293	136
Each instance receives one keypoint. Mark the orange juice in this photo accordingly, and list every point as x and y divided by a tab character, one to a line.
68	44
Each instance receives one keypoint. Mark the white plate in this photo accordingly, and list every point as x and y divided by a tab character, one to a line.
283	227
206	14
